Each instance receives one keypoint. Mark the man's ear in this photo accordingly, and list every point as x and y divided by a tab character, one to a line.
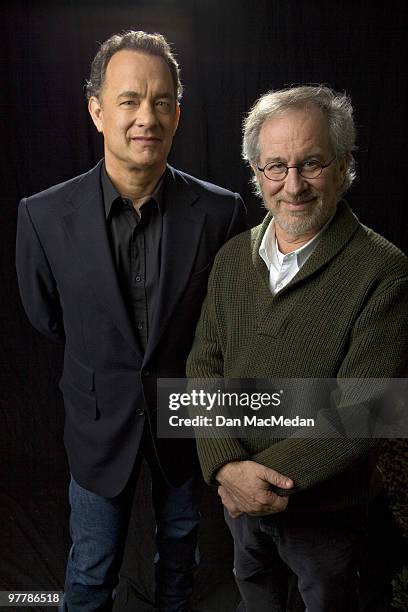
254	168
96	112
342	167
177	119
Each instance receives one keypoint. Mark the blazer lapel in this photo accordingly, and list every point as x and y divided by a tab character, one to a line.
86	227
182	227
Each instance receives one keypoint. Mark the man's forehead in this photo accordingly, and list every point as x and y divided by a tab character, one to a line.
302	127
134	61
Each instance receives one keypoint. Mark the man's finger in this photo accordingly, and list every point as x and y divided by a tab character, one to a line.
234	514
262	510
229	503
277	479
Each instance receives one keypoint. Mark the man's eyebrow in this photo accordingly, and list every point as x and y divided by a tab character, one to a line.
134	94
278	159
129	94
306	157
166	94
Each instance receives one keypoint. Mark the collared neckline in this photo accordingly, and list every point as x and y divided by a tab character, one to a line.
111	194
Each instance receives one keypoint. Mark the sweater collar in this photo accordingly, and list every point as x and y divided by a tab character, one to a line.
338	233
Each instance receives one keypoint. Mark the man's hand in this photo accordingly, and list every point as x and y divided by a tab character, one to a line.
230	504
245	488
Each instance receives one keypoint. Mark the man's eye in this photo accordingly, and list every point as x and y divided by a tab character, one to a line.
276	167
311	164
163	103
127	103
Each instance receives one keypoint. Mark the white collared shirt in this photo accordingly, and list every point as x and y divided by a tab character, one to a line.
282	268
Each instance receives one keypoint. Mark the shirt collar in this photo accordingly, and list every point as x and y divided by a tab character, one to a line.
111	194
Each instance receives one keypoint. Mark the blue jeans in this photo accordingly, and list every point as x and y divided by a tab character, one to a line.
98	528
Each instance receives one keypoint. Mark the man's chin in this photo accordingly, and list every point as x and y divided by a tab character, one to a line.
299	223
146	164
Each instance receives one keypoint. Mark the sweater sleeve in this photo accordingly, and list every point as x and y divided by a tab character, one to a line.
206	361
378	348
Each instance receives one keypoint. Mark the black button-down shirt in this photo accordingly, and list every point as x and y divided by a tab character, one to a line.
135	240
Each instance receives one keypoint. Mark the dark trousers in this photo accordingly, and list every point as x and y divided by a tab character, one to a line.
98	528
321	549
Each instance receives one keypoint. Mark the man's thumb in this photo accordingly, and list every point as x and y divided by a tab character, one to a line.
279	480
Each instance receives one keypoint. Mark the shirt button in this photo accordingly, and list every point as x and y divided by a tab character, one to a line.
140	412
138	279
140	326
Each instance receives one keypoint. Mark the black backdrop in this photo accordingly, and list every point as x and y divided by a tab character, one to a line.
230	53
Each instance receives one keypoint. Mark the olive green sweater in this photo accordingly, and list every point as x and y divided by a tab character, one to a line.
345	315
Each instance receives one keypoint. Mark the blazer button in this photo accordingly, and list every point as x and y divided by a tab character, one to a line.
140	412
146	372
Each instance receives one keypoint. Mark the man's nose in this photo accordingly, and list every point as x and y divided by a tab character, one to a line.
294	182
145	116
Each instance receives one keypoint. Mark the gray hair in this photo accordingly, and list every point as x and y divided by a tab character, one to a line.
152	44
336	106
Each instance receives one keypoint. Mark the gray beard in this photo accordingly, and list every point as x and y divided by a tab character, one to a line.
302	224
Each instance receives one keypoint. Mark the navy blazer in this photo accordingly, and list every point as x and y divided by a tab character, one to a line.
71	294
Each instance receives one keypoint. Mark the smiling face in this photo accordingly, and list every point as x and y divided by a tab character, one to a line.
137	113
300	206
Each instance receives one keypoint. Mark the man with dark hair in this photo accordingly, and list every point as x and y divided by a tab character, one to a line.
311	294
113	264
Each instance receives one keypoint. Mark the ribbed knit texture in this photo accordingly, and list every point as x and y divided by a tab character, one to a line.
344	315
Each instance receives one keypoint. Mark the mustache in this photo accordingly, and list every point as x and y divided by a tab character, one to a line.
302	197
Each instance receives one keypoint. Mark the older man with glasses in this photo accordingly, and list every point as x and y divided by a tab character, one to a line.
313	294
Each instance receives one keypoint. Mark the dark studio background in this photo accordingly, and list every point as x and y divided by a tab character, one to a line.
230	53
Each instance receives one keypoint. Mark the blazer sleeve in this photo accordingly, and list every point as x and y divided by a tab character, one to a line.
37	284
238	219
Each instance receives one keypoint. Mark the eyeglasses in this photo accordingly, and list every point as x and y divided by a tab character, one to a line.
310	169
